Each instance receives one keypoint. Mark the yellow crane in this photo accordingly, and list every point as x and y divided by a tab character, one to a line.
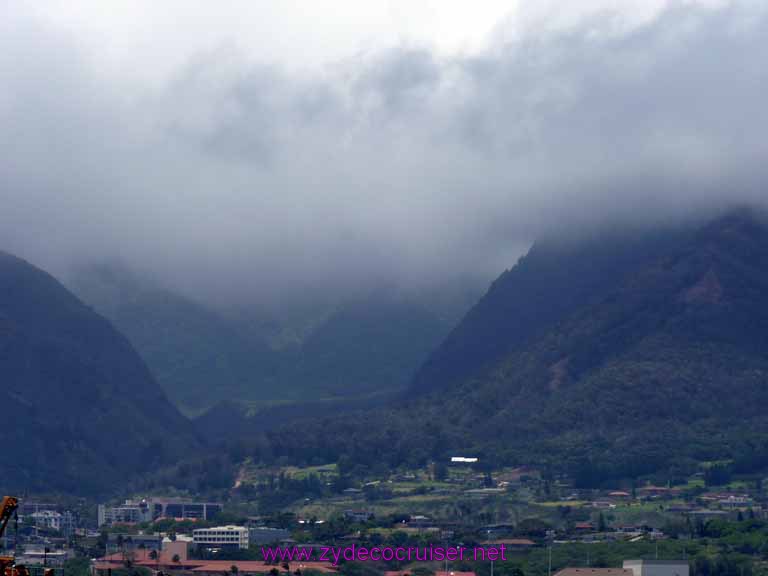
8	565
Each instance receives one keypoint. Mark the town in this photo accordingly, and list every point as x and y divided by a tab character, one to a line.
713	523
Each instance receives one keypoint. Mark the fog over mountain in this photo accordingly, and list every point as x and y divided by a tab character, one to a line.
235	177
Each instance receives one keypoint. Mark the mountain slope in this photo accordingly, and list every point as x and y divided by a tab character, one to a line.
360	348
366	346
198	356
82	412
609	358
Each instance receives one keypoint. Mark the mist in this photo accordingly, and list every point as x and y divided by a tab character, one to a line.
233	179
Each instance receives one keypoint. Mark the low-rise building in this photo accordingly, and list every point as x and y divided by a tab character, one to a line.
127	542
184	509
221	537
43	557
657	567
258	535
148	509
594	572
130	512
358	515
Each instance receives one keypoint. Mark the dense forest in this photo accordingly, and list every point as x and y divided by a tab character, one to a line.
651	355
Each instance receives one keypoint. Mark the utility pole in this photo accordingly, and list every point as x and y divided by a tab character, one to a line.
549	565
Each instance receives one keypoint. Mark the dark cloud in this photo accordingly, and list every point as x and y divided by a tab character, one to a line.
238	180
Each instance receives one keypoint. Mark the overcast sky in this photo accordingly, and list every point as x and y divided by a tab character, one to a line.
259	149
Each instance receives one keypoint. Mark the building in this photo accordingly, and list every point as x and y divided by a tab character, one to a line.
184	509
46	519
258	535
130	512
358	515
438	573
594	572
221	537
658	567
128	542
146	510
172	563
43	557
178	547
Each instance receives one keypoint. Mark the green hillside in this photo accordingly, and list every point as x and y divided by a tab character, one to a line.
202	356
82	412
608	357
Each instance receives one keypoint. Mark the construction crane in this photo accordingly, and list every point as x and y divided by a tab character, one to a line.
8	565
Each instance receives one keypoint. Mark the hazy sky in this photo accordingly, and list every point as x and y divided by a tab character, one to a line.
261	149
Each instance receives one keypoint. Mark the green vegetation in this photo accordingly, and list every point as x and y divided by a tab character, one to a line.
82	411
201	356
606	361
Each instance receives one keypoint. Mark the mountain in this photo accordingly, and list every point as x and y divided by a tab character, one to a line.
198	356
609	356
360	348
365	346
81	411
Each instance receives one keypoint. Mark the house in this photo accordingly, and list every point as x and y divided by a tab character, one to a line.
584	527
358	515
732	501
420	522
619	494
654	492
512	544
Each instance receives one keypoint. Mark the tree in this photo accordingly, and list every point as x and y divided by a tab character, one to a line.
601	525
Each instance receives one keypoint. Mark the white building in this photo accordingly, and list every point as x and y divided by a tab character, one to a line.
53	520
131	512
43	557
657	567
47	519
148	509
221	537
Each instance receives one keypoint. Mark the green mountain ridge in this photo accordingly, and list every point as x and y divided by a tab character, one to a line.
649	352
365	346
197	355
83	413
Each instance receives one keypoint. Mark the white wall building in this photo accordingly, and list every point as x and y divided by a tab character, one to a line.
658	567
47	519
221	537
131	512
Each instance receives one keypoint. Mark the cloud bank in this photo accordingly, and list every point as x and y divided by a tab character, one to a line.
236	180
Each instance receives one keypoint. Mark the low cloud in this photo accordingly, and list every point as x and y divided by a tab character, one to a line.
239	181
